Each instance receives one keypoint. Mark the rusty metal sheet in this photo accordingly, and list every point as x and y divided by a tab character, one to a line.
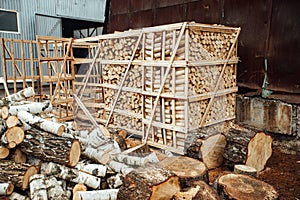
119	23
166	3
170	14
207	11
142	19
140	5
284	51
119	7
253	19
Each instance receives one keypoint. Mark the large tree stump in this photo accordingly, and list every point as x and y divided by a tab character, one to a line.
51	148
241	187
187	169
151	182
245	146
209	149
16	173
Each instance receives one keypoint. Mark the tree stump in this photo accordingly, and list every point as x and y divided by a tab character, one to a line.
17	173
187	169
151	182
51	148
245	146
209	149
241	187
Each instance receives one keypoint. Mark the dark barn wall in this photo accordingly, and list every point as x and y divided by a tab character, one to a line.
270	32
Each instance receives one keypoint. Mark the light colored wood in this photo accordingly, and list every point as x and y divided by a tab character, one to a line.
6	188
38	190
244	169
109	194
14	136
54	189
33	108
12	121
4	152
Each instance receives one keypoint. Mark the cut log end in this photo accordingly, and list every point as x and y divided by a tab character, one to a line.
60	130
15	135
4	152
163	190
244	169
75	153
30	171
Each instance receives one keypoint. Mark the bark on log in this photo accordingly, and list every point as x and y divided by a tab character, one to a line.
3	126
240	187
54	190
187	169
134	160
17	196
17	173
21	95
73	175
93	169
19	156
120	167
109	194
51	148
6	189
209	149
151	182
245	146
48	126
244	169
78	187
4	152
115	181
33	108
38	189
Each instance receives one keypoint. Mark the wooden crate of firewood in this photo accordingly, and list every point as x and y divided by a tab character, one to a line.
168	81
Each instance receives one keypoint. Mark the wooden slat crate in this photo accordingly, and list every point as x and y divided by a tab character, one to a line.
186	72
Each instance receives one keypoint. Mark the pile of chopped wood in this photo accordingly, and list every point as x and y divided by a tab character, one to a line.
44	159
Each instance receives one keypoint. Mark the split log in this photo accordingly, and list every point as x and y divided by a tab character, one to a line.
244	169
115	181
6	189
209	149
93	169
245	146
72	175
17	173
21	95
151	182
4	152
17	196
201	190
109	194
187	169
54	189
38	189
48	126
33	108
51	148
239	186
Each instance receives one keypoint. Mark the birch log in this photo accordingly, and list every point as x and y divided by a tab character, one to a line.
21	95
51	148
3	126
6	189
93	169
115	181
151	182
54	189
38	189
33	108
14	136
48	126
17	196
120	167
109	194
69	174
17	173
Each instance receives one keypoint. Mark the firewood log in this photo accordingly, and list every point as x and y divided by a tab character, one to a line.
151	182
69	174
33	108
12	121
78	187
4	152
187	169
120	167
244	169
209	149
17	196
14	136
115	181
93	169
17	173
109	194
38	189
21	95
4	112
239	186
200	190
55	190
19	156
134	160
245	146
49	126
3	126
6	188
48	147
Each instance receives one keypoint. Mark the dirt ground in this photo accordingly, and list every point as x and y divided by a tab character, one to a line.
282	172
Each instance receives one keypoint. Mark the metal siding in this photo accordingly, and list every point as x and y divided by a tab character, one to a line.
92	10
48	26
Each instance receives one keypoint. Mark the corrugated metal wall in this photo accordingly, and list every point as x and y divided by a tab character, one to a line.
270	31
